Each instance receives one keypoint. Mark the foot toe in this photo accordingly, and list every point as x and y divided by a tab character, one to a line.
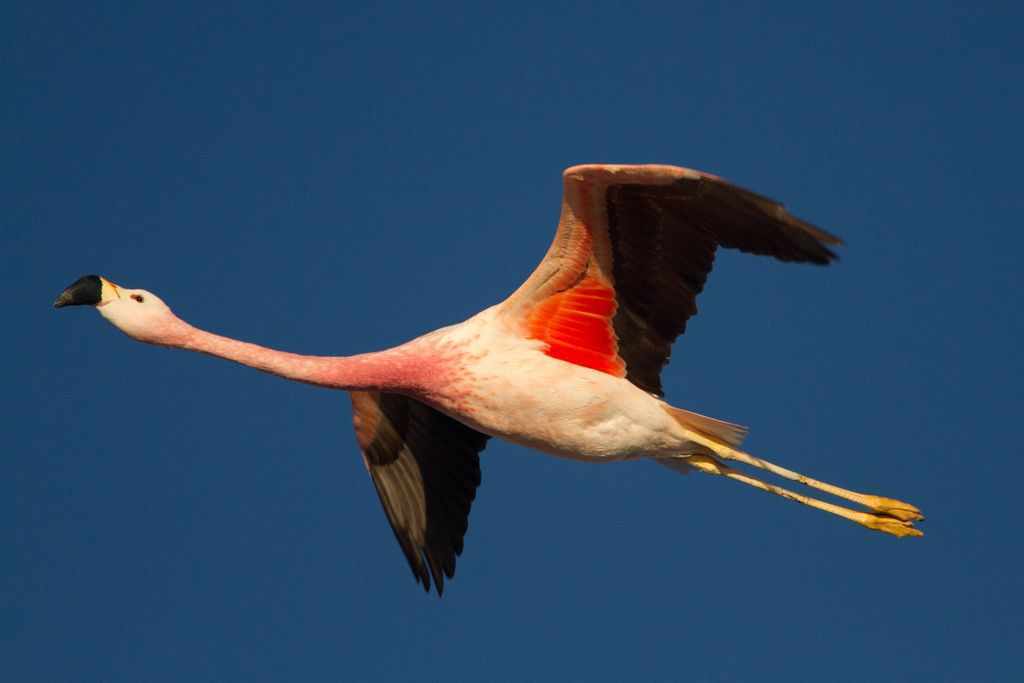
890	525
897	508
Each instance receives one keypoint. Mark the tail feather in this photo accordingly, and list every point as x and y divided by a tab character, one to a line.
727	433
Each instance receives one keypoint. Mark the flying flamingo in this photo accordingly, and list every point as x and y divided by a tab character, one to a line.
569	364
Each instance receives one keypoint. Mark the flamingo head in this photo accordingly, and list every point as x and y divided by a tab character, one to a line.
138	313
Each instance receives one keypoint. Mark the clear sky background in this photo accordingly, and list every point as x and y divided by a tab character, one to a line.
342	177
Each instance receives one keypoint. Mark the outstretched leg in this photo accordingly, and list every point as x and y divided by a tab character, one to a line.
884	521
887	506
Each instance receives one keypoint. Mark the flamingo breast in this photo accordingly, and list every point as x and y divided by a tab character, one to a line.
505	385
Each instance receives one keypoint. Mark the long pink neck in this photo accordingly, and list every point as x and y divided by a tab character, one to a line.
394	370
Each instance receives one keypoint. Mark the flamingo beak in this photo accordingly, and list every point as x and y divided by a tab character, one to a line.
88	290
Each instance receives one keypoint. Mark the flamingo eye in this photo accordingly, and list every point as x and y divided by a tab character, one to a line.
138	297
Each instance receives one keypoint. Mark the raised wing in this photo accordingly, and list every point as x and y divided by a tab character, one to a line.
633	249
426	468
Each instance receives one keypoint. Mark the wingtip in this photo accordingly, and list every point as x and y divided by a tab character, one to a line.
828	258
822	235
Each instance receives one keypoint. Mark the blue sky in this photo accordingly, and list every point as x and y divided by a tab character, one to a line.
342	177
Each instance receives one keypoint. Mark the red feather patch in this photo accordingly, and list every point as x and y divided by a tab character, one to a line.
577	326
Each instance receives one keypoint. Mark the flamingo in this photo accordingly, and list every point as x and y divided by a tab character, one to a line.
570	364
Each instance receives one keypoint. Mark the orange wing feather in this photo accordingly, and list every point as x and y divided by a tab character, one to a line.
577	326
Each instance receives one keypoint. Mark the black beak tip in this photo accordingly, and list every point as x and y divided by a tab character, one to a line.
85	291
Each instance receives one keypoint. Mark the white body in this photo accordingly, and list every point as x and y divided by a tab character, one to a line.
506	386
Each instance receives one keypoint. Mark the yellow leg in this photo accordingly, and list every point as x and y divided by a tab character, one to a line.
884	522
887	506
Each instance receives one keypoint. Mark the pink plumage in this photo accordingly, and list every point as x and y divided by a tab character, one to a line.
569	364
